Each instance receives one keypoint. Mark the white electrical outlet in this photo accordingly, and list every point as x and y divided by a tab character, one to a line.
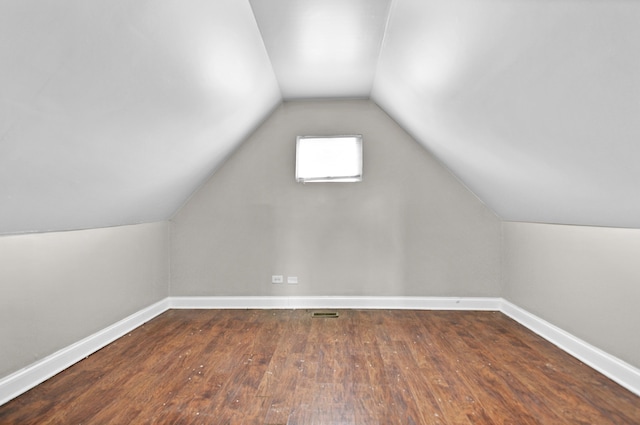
277	278
292	280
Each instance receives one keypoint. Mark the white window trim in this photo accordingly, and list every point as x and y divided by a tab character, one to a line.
309	151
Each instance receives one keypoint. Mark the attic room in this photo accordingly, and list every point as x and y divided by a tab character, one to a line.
147	172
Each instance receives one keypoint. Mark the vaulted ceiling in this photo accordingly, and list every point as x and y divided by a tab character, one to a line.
114	112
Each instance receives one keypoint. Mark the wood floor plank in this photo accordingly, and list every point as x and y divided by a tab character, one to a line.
366	367
468	370
541	376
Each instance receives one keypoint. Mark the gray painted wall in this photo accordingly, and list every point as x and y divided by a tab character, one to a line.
585	280
58	288
410	228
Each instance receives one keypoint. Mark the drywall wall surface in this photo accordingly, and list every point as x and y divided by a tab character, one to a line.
58	288
585	280
409	228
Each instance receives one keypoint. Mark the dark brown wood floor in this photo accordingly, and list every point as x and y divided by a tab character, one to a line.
365	367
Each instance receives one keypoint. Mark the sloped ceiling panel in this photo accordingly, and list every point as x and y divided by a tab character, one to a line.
534	105
113	112
323	48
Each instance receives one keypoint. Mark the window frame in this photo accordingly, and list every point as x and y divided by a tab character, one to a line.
301	158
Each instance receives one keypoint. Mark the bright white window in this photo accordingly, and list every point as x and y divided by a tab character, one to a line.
329	159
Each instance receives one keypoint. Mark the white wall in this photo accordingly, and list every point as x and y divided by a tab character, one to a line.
57	288
585	280
410	228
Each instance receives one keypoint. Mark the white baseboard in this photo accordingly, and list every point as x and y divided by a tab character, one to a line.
398	303
612	367
23	380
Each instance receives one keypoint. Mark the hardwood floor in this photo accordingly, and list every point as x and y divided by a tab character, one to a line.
365	367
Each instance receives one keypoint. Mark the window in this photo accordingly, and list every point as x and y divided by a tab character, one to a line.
329	159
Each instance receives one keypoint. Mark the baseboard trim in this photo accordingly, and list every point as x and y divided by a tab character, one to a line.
293	302
612	367
23	380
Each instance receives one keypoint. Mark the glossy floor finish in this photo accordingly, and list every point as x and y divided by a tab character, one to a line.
364	367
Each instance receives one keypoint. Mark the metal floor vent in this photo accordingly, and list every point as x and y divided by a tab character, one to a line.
325	314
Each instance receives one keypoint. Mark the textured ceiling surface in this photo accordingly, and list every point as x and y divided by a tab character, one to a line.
114	112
